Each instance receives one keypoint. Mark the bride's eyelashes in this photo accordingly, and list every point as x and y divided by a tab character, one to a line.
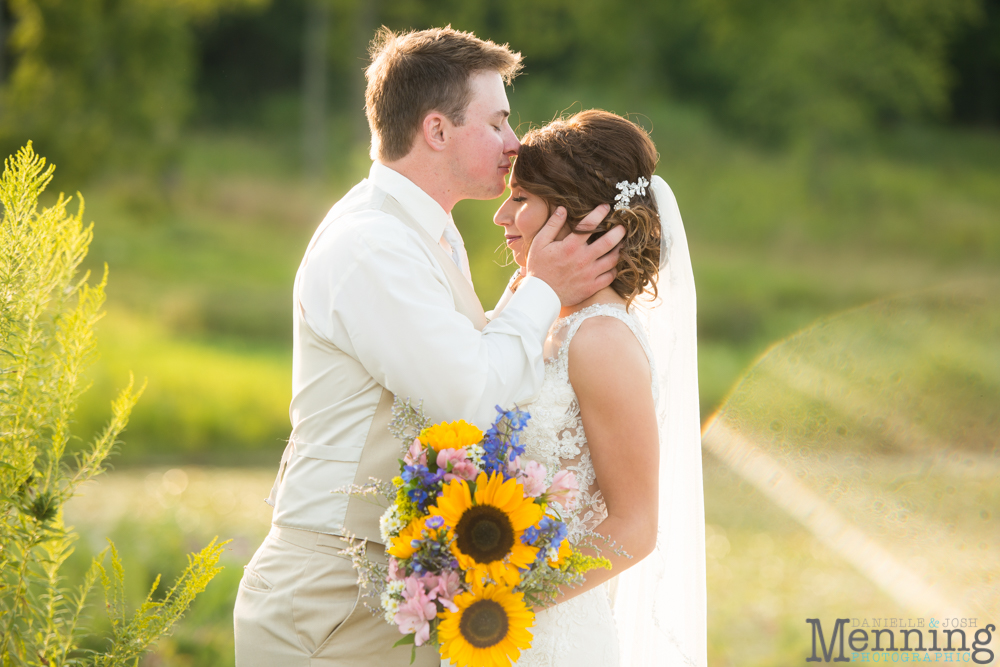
518	199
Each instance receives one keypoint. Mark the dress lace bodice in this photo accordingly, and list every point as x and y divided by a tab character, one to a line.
580	632
554	435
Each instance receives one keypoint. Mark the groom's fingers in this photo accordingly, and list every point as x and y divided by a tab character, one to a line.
572	267
608	241
593	219
607	261
606	279
552	226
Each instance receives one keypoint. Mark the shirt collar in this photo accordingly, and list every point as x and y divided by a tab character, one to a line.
427	212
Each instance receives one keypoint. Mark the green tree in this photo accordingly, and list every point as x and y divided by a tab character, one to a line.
46	343
776	68
100	80
788	67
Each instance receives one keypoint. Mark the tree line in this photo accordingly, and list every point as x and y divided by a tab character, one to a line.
106	81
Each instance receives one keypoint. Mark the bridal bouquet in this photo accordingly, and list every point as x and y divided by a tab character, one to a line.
474	539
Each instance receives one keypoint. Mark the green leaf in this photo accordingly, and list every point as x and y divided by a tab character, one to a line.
406	640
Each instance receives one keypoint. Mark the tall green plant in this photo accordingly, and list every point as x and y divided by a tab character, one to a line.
47	340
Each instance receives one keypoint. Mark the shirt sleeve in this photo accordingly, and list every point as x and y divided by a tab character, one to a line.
505	298
378	294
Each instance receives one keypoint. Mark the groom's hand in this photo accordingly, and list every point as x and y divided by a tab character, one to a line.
571	267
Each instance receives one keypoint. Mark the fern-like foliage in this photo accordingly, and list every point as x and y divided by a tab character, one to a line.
47	319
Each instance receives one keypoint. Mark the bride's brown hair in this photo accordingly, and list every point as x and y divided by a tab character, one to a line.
577	163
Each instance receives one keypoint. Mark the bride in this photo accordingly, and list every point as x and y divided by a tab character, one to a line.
619	403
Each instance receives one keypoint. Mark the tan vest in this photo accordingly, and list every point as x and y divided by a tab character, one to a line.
379	458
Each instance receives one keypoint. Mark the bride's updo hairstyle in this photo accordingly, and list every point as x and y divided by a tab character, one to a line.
577	163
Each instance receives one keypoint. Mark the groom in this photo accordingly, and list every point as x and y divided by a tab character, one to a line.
384	305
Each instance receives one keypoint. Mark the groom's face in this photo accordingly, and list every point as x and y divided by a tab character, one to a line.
484	145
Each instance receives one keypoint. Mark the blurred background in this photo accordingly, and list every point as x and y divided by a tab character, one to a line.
832	161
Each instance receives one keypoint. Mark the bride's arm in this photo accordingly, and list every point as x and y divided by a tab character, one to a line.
610	375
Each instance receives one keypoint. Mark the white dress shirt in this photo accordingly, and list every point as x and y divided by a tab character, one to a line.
379	312
371	288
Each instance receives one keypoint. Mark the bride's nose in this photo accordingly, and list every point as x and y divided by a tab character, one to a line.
503	216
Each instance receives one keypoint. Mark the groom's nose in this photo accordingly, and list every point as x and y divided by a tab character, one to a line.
511	144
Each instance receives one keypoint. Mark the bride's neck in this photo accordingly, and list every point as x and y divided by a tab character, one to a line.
606	295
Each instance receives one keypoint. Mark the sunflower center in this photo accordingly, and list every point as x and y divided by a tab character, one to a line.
484	533
484	624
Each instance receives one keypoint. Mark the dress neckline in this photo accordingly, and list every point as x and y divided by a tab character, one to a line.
593	307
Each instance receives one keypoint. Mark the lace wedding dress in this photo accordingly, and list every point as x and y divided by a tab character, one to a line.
581	631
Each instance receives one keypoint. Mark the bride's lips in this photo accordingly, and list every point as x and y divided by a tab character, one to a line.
511	239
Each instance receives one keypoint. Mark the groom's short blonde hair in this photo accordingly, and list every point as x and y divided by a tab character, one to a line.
417	72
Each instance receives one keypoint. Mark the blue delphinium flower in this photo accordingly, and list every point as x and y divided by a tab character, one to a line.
500	442
409	472
417	495
548	536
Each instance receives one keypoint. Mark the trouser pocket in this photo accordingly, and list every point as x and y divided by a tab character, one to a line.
326	594
252	579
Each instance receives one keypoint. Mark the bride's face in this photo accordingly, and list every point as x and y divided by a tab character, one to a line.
521	216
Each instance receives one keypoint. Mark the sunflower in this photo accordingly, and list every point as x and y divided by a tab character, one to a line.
490	628
564	551
488	531
450	435
402	546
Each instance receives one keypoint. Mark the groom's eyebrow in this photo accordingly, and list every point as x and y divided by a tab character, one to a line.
502	113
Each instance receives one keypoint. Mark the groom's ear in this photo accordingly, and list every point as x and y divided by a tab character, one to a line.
435	129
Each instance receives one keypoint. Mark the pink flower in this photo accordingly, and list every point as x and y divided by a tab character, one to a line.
457	463
416	611
443	588
453	456
533	478
464	469
415	455
564	489
514	467
394	572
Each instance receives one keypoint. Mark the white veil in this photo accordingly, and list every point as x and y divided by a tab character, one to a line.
660	603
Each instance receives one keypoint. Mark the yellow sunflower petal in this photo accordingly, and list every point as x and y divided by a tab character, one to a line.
466	650
508	493
450	435
564	551
402	546
455	498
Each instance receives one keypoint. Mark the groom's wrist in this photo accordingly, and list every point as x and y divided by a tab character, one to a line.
535	297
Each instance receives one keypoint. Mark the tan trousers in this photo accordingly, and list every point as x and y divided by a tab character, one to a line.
299	606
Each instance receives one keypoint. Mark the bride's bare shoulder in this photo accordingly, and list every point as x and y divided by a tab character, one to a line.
605	352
